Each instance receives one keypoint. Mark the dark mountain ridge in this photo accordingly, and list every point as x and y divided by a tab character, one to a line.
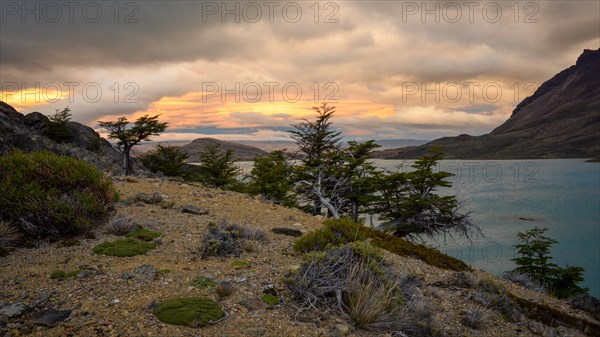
560	120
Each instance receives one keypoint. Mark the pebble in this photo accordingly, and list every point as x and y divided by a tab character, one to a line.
341	330
13	310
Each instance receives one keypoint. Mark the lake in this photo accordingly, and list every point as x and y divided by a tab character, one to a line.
510	196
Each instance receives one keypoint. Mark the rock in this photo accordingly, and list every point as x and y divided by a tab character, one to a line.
193	210
287	231
341	330
252	304
256	332
36	121
292	268
13	310
49	318
270	289
145	272
87	306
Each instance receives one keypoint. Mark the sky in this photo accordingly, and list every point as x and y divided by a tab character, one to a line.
247	70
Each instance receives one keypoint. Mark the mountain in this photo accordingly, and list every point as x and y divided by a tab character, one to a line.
560	120
241	152
27	133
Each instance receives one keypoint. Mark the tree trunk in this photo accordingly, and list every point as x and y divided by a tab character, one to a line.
127	161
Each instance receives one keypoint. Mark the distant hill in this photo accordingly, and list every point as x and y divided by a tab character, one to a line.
560	120
241	152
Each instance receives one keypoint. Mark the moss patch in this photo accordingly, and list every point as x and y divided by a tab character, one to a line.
190	311
121	248
270	299
61	274
143	234
239	264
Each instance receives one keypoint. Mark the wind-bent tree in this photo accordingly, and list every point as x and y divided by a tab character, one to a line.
411	206
318	145
129	136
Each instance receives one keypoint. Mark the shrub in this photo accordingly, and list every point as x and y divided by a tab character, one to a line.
340	231
334	233
586	303
48	195
57	127
227	239
523	280
217	168
144	234
190	311
122	248
122	225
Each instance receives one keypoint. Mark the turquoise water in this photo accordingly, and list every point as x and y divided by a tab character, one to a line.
510	196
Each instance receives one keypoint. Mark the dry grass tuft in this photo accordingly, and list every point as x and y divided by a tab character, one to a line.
9	235
224	289
122	225
476	318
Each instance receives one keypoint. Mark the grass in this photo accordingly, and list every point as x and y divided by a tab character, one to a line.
189	311
224	289
124	248
121	225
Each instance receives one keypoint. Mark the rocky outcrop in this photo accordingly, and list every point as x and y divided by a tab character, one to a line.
560	120
26	133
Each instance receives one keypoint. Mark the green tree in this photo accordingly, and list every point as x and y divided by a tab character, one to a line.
535	261
166	159
410	205
356	170
57	127
218	168
129	136
271	177
534	255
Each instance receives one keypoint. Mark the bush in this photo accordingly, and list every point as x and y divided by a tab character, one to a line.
217	168
227	239
191	311
586	303
271	177
334	233
57	127
46	195
340	231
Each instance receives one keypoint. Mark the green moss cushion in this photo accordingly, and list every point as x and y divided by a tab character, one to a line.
144	234
127	247
189	311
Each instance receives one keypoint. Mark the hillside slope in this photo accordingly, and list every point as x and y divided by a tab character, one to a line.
560	120
114	296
